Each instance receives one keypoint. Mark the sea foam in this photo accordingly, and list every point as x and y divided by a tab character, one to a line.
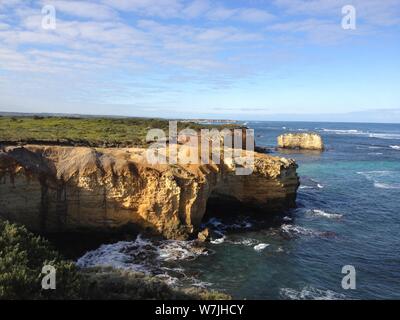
145	256
382	179
294	230
261	246
323	214
310	293
378	135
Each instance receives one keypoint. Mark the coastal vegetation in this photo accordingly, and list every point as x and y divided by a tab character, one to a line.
86	131
23	254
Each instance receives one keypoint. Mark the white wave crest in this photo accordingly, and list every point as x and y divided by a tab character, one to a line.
386	136
395	147
245	242
261	246
172	250
291	229
338	131
144	256
382	179
297	231
305	187
386	186
310	293
218	240
378	135
221	227
321	213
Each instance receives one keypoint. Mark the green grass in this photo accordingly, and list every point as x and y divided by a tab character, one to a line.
95	132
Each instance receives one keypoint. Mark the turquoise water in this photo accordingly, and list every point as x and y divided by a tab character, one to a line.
348	214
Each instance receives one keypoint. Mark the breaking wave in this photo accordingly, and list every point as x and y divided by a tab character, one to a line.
149	257
383	179
218	240
261	246
310	293
386	186
378	135
291	230
220	233
245	242
395	147
387	136
221	227
309	183
321	213
294	230
337	131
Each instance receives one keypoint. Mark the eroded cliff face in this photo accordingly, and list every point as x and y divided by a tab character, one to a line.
306	141
57	189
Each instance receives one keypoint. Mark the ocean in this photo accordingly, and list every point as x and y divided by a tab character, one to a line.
348	213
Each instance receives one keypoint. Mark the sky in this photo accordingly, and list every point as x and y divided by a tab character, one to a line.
253	60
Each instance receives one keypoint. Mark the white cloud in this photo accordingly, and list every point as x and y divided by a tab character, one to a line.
254	15
214	50
83	9
157	8
228	35
196	9
190	9
312	7
317	31
4	26
250	15
9	3
221	13
377	12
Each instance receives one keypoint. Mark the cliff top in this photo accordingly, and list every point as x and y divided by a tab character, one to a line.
91	132
65	162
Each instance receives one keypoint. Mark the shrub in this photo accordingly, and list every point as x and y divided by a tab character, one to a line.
91	132
23	255
111	284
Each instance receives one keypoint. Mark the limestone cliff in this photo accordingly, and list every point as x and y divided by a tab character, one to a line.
306	141
54	188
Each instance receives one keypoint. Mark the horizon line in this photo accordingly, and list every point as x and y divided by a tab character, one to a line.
83	115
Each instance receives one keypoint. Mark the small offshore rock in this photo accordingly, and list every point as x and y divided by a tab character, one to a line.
304	141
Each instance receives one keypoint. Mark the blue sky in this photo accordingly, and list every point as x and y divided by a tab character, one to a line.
255	59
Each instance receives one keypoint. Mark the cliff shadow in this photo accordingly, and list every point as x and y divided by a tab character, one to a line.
242	217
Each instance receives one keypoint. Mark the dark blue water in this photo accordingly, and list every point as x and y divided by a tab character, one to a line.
356	186
348	214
